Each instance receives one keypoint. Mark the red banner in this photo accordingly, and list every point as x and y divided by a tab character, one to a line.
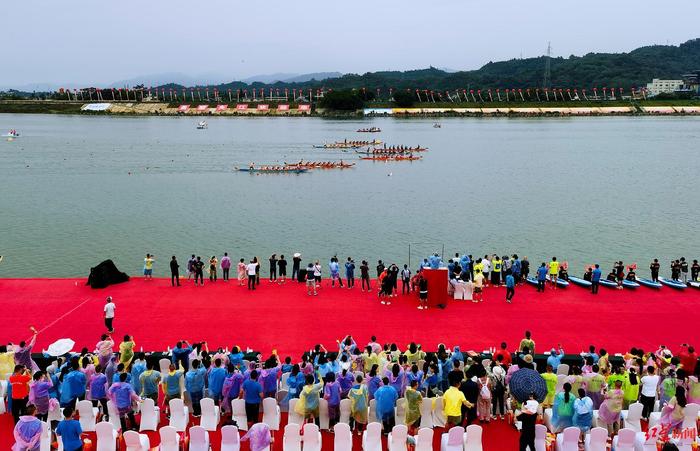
202	107
242	106
221	107
263	107
183	108
304	107
283	107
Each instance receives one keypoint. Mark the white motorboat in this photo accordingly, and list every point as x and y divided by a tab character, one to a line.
202	125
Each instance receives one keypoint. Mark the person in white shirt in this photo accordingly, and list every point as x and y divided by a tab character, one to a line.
647	395
109	314
487	268
251	270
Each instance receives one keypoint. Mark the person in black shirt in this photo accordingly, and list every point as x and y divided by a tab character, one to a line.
471	392
273	267
684	270
364	275
282	269
393	278
525	271
174	272
380	268
694	271
296	264
654	268
527	432
199	271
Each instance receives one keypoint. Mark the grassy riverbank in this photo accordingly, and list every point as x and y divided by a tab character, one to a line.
642	107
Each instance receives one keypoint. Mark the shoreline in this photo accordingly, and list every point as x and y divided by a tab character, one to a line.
512	109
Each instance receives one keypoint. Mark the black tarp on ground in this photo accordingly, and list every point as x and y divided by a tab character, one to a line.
105	274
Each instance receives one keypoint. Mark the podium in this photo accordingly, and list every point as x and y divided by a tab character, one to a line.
437	286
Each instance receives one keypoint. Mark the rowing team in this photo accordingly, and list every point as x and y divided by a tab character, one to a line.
319	165
375	142
376	151
418	148
369	130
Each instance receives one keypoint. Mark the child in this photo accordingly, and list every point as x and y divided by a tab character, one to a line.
484	404
109	314
69	430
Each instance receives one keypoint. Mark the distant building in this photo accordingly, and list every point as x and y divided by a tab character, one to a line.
691	81
658	86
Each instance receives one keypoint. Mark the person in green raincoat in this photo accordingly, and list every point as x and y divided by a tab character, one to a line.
359	398
414	399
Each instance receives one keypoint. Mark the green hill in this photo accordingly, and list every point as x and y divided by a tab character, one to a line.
635	68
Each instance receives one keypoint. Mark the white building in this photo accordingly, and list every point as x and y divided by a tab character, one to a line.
658	86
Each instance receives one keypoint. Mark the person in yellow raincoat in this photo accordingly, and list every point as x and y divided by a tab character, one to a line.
551	380
414	399
630	386
126	351
307	406
359	398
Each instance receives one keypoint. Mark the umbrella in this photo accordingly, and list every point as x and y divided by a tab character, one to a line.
526	381
60	347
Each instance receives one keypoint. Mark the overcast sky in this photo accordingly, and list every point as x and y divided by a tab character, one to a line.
98	42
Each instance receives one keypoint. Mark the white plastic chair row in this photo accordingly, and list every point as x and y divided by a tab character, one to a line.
457	439
3	395
311	437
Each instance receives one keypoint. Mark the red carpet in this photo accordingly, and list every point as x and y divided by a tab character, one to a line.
497	436
283	317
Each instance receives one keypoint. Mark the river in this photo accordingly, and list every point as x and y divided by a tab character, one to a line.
79	189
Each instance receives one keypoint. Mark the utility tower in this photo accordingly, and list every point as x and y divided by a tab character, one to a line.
548	67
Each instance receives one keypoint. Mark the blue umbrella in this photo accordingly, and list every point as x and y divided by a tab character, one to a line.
526	381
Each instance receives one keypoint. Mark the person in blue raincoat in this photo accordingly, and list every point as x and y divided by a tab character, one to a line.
386	397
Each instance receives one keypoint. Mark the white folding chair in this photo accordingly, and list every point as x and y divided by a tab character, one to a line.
88	415
372	417
311	437
596	440
453	440
646	441
397	438
540	437
280	396
114	416
230	440
3	395
439	419
45	441
55	413
211	414
136	442
179	415
150	416
690	419
424	440
426	413
239	415
169	439
372	437
561	380
472	440
323	418
271	413
345	411
400	415
342	440
631	417
547	419
164	365
563	368
624	440
568	440
283	382
199	439
292	438
106	436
